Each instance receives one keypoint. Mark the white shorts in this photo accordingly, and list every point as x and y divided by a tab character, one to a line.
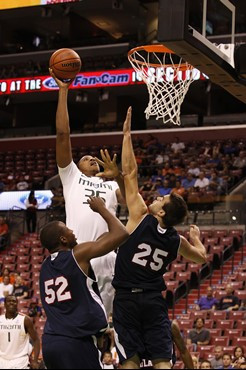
19	363
104	270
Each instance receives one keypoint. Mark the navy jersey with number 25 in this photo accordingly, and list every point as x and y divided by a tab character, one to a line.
142	260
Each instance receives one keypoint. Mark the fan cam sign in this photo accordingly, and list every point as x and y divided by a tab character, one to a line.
90	80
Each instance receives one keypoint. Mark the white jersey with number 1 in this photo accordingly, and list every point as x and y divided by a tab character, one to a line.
77	188
14	343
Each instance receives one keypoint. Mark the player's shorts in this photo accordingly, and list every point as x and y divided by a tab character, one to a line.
70	353
142	325
19	363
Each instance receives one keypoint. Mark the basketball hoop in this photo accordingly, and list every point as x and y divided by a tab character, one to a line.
168	78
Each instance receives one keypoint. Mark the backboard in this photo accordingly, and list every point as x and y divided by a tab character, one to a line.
202	32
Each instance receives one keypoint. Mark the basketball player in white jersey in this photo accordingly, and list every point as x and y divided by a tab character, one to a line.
81	182
16	330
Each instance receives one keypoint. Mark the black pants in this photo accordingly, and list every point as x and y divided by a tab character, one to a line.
31	221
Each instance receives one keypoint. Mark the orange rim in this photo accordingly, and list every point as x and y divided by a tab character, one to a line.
156	48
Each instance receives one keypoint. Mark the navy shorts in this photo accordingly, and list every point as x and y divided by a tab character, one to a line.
142	325
70	353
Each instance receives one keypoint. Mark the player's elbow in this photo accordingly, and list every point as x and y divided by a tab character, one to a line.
122	236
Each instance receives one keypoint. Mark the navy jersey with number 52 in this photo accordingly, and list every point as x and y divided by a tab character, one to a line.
142	260
70	298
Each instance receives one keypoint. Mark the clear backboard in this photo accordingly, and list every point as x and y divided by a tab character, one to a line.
202	32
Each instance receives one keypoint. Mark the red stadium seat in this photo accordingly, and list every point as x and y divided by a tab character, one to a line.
36	267
23	259
220	233
218	315
9	259
37	259
233	333
185	324
224	324
37	251
237	315
241	324
220	341
168	275
172	285
10	266
23	267
209	324
205	351
241	294
239	342
215	332
229	349
226	241
183	276
178	267
195	314
25	275
241	276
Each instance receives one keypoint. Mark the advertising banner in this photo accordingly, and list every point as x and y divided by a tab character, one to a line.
16	199
10	4
86	80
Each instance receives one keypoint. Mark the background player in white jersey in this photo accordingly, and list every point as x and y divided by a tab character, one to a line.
84	181
16	330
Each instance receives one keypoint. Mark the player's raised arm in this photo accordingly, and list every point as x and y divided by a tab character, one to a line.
196	252
135	203
63	143
109	241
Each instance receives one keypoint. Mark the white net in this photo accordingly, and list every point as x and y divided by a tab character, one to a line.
168	79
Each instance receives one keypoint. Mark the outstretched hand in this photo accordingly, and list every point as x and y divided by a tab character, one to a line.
97	204
109	165
60	83
127	123
194	232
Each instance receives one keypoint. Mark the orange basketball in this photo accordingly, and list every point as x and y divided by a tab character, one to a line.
65	63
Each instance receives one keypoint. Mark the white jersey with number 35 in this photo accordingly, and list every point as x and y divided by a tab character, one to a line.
14	341
77	188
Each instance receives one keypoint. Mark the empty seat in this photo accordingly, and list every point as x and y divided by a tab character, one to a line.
185	324
205	351
195	314
215	332
23	259
218	315
183	276
237	315
239	342
224	324
178	267
220	341
241	294
233	333
23	267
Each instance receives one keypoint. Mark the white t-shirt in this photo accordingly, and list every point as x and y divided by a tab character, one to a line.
6	288
86	224
14	341
202	183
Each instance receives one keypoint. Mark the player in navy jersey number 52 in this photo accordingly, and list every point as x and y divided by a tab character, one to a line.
69	293
140	315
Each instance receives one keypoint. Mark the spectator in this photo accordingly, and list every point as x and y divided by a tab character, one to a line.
216	361
238	357
167	170
31	212
195	362
226	359
107	360
215	183
188	182
202	182
172	181
5	289
177	146
165	189
179	189
199	336
161	158
22	184
230	302
243	305
11	276
4	229
193	169
20	290
158	186
240	161
205	365
34	309
208	302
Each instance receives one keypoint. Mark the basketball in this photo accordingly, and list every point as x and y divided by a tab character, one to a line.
65	63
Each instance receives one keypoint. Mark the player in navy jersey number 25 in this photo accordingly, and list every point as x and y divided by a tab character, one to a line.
69	292
140	315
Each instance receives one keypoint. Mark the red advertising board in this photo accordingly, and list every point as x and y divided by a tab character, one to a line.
86	80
